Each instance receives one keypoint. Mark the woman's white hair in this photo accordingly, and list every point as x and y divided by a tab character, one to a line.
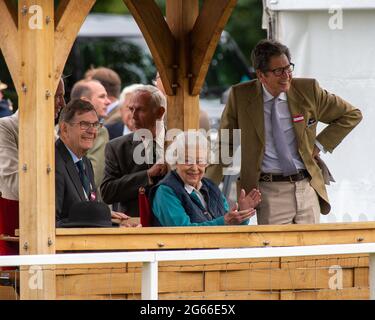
187	140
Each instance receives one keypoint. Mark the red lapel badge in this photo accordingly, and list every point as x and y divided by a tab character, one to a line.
93	196
298	118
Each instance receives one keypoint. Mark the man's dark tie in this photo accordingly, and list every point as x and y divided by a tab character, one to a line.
83	177
155	179
154	146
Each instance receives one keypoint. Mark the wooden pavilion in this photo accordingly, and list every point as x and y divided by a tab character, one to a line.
35	39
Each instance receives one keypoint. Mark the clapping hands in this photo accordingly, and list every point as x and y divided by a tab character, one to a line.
250	200
235	217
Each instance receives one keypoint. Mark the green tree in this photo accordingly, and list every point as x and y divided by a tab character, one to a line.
110	6
245	24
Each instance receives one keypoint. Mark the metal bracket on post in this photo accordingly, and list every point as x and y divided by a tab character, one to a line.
372	275
150	281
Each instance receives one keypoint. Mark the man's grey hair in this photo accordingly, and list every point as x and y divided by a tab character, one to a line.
187	140
127	90
157	96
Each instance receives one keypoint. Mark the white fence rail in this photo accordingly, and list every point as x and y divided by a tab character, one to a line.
150	259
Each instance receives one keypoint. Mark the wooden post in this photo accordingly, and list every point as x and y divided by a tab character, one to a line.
205	35
36	70
150	281
70	16
36	143
158	36
372	275
9	40
183	108
182	49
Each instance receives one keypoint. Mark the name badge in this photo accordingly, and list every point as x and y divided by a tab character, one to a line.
298	118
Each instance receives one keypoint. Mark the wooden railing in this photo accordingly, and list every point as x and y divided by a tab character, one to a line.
228	279
271	278
94	239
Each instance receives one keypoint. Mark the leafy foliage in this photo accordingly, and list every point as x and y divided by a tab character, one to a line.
110	6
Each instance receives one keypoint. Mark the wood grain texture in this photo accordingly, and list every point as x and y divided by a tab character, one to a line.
183	108
205	36
212	237
9	41
159	38
36	142
70	16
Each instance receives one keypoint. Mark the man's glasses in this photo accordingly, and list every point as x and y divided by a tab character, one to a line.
278	72
84	125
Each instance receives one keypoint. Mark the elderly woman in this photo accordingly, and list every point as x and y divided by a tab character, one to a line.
185	198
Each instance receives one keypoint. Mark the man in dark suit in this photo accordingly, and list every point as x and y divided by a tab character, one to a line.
116	129
79	124
130	160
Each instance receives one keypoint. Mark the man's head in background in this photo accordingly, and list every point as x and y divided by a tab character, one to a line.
3	86
94	92
59	98
126	114
108	78
147	105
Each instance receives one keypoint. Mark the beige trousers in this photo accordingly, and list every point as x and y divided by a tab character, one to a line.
287	203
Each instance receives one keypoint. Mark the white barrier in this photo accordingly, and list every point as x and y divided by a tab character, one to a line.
150	259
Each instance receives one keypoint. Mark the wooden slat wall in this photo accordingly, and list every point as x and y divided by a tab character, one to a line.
276	279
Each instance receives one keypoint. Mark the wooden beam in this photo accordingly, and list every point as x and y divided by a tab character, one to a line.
159	38
205	36
213	237
36	144
13	11
63	4
183	108
70	16
9	40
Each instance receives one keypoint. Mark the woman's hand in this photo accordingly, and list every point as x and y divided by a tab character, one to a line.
235	217
250	200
